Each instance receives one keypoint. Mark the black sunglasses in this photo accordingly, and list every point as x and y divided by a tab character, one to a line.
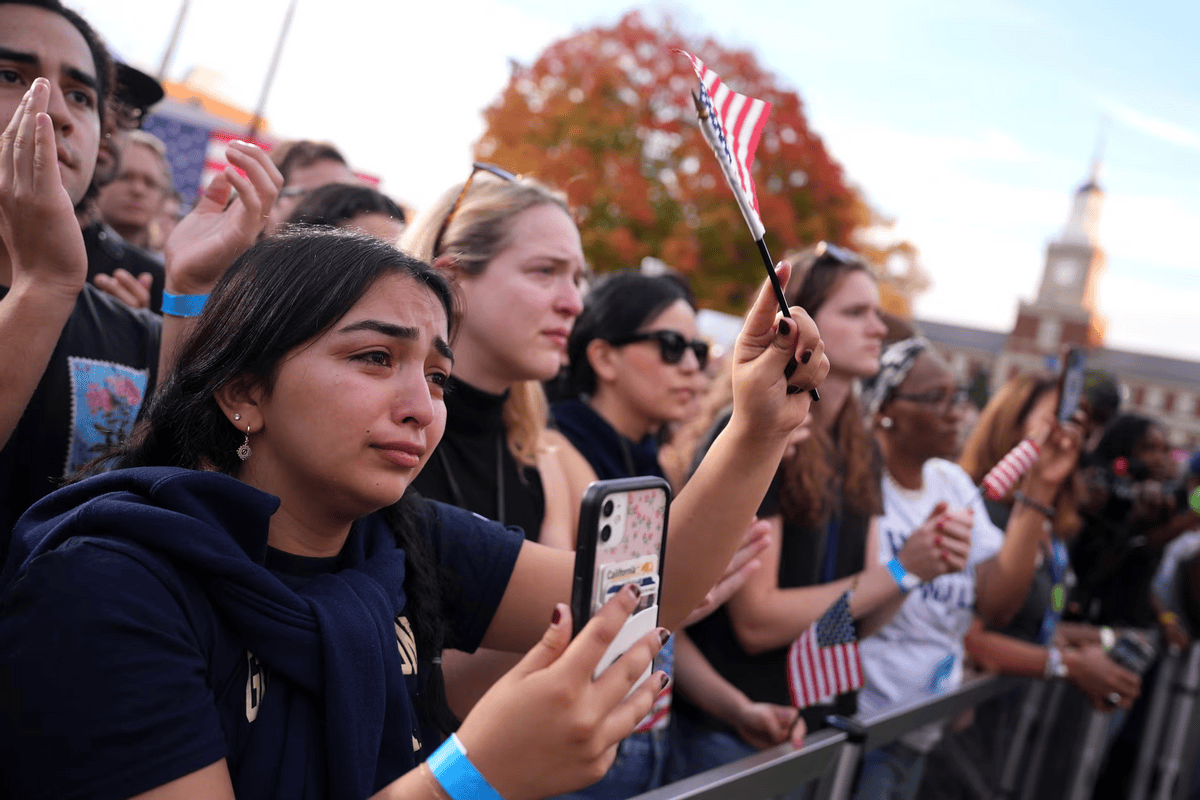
671	345
476	168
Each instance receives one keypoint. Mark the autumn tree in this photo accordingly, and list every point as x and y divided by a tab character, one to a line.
606	115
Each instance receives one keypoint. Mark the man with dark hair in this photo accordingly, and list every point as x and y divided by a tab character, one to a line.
117	264
305	165
76	364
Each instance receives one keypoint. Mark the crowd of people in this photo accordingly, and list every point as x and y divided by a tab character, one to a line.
289	489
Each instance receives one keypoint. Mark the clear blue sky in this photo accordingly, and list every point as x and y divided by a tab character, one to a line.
971	123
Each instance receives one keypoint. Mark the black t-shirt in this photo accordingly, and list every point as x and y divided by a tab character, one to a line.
474	469
101	370
763	677
145	640
107	252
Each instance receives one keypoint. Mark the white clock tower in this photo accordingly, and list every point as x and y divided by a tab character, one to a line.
1074	260
1064	312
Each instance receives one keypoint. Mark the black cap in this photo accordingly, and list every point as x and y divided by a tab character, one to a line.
136	89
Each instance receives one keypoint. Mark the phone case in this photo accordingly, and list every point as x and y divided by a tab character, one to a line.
622	532
1070	382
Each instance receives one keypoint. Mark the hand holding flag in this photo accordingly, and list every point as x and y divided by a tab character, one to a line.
732	124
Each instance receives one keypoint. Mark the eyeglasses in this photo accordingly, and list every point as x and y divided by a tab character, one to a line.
476	168
940	400
671	345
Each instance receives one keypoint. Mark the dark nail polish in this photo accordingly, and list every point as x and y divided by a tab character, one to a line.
556	617
663	635
806	356
633	590
785	328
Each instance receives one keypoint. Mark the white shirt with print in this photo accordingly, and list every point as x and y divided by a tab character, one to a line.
919	652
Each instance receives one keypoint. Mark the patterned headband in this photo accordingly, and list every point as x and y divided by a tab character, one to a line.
894	364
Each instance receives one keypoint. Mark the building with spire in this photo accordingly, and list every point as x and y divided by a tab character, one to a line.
1065	313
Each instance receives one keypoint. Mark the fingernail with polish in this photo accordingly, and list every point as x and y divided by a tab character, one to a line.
785	328
633	590
806	356
556	617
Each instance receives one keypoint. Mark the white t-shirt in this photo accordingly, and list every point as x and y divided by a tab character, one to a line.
919	652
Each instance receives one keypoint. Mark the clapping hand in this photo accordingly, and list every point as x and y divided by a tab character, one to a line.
37	216
222	226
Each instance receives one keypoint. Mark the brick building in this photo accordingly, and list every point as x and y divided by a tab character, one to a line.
1065	313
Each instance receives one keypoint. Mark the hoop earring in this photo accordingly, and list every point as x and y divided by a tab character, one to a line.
244	451
886	423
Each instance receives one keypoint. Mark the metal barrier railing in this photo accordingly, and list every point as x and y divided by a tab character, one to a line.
830	756
1171	741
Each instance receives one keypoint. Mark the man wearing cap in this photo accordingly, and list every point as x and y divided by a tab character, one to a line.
131	190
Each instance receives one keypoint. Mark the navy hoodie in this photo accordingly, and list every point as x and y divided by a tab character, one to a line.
144	636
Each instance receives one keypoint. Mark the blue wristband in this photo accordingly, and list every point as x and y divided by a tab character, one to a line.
903	578
183	305
457	775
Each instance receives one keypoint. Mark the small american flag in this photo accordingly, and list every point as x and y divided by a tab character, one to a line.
824	662
738	122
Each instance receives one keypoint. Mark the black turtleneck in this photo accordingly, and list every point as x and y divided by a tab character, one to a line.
473	461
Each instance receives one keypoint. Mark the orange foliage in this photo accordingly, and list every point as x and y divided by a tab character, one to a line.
606	115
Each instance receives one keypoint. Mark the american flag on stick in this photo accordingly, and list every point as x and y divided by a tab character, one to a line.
824	662
732	123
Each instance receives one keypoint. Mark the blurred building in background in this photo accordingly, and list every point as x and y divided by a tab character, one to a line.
1065	313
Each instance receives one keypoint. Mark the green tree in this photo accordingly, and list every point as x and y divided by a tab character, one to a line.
606	115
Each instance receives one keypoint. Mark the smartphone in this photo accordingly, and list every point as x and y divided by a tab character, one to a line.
1070	382
622	536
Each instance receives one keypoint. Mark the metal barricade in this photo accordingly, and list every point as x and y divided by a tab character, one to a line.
782	768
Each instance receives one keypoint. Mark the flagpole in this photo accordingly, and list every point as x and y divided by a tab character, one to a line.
256	120
756	227
169	53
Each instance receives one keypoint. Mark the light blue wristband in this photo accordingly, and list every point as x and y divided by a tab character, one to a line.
903	578
457	775
183	305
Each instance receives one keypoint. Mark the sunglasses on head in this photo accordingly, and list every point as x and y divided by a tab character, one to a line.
830	254
671	345
476	168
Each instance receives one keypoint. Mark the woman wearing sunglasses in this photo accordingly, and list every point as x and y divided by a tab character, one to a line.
915	406
634	365
255	605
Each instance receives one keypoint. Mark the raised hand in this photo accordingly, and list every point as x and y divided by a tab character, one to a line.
217	231
37	216
772	403
941	545
1059	454
546	727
